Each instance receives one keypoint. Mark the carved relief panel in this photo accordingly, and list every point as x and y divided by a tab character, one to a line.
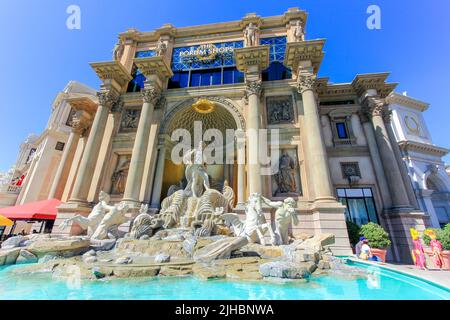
280	110
130	120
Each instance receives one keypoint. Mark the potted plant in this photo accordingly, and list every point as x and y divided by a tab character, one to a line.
443	235
353	233
378	239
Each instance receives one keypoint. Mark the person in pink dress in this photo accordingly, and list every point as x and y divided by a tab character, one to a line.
436	249
418	254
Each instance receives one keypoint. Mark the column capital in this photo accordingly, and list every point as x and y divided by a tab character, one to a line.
306	80
151	94
81	121
253	87
108	98
374	106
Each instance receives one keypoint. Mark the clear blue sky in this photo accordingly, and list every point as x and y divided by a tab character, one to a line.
39	55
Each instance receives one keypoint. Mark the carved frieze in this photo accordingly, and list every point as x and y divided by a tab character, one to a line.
280	110
130	119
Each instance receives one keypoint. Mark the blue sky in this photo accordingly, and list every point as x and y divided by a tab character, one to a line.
39	55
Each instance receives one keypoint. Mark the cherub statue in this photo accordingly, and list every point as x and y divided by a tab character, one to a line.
255	225
92	221
115	216
250	34
284	215
298	32
161	48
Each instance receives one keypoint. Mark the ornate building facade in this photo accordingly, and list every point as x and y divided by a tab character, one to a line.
422	158
336	143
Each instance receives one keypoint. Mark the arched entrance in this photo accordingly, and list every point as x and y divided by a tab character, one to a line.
198	116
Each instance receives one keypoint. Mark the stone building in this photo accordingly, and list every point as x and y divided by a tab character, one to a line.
422	158
39	156
335	140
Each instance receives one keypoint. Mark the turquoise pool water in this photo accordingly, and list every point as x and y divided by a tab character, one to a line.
381	284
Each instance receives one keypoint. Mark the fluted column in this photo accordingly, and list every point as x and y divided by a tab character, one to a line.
82	184
137	163
253	91
240	150
376	160
80	123
401	164
375	108
158	180
316	152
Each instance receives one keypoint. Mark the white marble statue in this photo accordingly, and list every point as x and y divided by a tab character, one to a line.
284	215
298	32
251	35
118	50
195	172
115	216
92	221
255	225
161	48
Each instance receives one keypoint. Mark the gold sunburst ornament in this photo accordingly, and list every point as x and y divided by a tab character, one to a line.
204	106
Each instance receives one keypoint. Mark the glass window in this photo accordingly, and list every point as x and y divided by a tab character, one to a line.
276	71
360	206
341	130
195	78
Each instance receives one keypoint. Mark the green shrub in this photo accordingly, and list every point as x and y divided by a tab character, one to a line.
353	232
443	235
377	236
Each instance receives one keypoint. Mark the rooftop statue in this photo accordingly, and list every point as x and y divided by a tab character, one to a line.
118	50
298	32
161	48
251	35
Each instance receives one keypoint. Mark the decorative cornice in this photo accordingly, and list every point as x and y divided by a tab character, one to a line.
279	21
151	94
309	50
156	65
423	148
252	56
375	81
395	98
83	103
112	71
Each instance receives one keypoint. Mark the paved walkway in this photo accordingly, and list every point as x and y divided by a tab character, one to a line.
437	276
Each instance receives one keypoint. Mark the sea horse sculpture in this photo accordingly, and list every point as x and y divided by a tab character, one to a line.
255	225
92	221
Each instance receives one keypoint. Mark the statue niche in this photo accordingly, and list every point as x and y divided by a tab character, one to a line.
285	179
119	177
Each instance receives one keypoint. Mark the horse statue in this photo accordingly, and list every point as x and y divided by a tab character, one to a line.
255	225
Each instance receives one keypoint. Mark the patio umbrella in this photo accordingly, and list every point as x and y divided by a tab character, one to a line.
5	222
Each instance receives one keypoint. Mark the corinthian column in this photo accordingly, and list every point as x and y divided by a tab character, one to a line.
136	172
80	123
253	92
107	99
316	153
376	109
